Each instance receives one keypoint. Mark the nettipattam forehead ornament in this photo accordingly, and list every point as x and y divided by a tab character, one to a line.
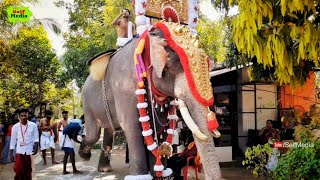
194	60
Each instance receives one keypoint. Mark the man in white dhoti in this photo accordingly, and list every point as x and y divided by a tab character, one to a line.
125	28
47	137
70	132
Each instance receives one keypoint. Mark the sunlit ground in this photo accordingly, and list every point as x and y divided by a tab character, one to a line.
120	169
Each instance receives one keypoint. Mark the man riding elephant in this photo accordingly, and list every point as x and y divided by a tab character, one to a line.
125	28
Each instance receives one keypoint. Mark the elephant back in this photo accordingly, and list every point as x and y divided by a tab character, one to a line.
99	64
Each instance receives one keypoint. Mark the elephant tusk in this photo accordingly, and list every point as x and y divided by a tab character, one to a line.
189	121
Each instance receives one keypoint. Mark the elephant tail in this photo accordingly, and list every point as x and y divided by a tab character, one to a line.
99	64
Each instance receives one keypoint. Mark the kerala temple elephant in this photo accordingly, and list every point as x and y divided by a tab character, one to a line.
163	64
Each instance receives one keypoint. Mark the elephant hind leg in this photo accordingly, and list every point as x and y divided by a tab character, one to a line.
104	160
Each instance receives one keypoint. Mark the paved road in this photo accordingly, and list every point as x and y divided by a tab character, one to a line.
120	169
54	172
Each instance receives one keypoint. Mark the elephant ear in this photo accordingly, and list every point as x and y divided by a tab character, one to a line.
158	55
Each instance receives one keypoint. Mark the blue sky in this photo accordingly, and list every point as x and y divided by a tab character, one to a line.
46	9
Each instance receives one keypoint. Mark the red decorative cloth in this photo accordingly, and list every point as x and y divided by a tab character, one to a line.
22	167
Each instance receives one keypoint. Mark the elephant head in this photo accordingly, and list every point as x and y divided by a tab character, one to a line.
180	70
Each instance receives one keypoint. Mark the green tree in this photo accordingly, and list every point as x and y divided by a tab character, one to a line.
8	31
90	34
36	60
29	68
211	38
35	65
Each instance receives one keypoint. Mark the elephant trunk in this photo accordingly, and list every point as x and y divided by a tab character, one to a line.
85	151
92	136
206	149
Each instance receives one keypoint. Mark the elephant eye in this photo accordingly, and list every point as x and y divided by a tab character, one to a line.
153	34
165	70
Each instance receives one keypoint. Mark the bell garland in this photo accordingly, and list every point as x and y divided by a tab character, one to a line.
148	132
165	149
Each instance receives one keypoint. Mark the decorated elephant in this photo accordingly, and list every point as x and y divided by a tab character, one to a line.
163	67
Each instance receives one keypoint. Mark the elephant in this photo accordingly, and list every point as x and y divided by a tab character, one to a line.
113	90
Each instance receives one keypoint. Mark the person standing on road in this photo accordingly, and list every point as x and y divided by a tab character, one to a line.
63	123
5	153
47	137
25	139
69	136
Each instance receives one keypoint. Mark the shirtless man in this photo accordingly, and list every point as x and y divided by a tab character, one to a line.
47	137
64	121
125	28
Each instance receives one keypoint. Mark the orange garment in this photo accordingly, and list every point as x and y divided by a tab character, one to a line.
51	122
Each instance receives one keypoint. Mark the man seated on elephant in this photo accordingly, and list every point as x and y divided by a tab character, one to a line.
125	28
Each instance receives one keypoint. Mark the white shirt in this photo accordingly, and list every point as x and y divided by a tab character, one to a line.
31	135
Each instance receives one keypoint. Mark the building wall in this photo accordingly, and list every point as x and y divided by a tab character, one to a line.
299	98
266	101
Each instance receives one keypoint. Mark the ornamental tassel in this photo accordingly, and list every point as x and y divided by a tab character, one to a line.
138	72
142	66
142	72
213	124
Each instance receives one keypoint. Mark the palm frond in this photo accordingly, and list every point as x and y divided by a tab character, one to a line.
51	24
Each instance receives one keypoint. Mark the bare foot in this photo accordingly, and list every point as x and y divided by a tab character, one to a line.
77	172
65	172
55	162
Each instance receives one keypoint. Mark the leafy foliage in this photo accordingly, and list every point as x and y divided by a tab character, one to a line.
32	45
283	35
35	69
75	62
211	39
30	72
300	162
256	159
90	33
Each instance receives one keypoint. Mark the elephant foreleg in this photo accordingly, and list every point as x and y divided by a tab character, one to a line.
133	133
137	156
104	161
